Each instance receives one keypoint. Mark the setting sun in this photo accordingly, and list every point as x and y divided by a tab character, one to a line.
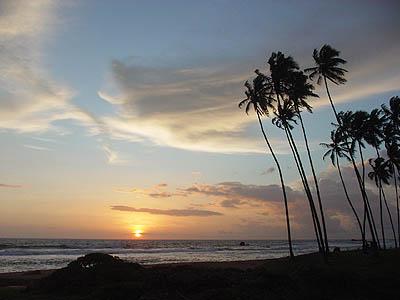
138	233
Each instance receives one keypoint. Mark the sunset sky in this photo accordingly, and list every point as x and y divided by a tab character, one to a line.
119	116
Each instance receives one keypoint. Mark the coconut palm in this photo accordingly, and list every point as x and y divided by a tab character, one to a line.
374	175
285	116
282	69
345	129
327	67
354	126
298	90
392	141
393	111
258	97
385	176
381	174
374	125
337	148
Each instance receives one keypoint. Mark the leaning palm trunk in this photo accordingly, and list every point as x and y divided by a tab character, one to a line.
313	212
315	182
397	204
363	182
367	207
330	99
368	214
390	216
320	247
282	185
381	215
350	203
317	224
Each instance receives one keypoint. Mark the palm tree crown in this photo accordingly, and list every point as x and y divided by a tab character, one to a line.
380	171
258	95
299	89
338	147
327	63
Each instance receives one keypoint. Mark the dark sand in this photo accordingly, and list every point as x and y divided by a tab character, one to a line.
347	275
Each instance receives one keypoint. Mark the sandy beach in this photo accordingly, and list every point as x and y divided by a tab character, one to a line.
346	275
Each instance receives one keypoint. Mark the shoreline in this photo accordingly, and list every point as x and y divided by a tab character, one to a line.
345	275
238	264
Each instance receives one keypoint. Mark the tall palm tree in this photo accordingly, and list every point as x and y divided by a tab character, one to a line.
328	67
391	131
344	128
282	69
384	179
258	97
298	90
285	115
354	126
381	174
337	148
374	125
374	175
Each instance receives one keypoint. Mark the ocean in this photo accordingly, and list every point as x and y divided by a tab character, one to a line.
38	254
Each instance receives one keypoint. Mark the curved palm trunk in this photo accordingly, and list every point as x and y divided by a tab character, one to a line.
360	183
317	224
369	216
367	207
397	204
320	247
350	203
315	182
390	216
381	215
368	211
282	185
363	182
330	100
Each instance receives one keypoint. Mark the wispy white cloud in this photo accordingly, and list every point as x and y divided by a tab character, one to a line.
30	100
113	156
40	148
194	109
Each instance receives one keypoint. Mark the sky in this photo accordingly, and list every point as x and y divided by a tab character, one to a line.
118	116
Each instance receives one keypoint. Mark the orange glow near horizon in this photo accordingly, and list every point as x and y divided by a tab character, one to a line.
138	232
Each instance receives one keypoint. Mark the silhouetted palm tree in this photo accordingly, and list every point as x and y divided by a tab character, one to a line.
298	90
327	67
282	69
345	129
285	115
337	148
374	125
391	132
355	127
385	178
258	97
381	174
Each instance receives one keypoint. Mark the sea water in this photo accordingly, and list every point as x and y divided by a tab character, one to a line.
39	254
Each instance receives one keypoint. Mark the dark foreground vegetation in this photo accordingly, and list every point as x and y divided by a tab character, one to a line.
347	275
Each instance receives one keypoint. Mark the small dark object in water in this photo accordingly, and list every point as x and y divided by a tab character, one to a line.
243	244
336	250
